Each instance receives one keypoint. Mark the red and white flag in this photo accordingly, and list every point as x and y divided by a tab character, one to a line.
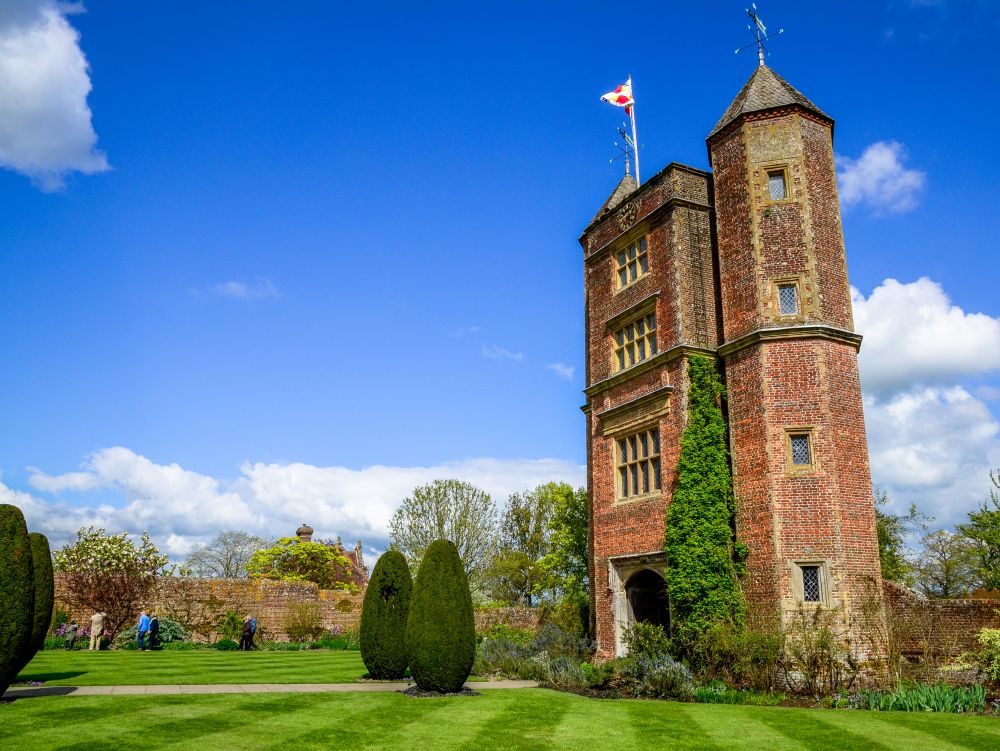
621	97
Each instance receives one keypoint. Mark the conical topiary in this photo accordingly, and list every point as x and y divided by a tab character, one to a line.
17	593
383	617
41	563
441	629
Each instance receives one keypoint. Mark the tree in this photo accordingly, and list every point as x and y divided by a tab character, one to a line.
110	574
947	565
983	529
892	531
447	510
226	556
700	545
383	617
291	559
567	564
17	593
41	564
440	627
517	572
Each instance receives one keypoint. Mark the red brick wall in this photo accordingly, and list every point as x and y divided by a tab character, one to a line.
826	513
941	627
268	600
681	271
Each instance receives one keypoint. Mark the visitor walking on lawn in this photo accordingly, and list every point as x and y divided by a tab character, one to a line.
141	630
154	631
96	630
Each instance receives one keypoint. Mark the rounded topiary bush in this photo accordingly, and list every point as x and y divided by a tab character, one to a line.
383	617
441	629
17	593
41	564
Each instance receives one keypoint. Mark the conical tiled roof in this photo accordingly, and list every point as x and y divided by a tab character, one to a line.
764	90
625	187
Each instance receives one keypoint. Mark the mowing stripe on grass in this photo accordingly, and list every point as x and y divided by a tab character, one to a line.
811	729
667	722
517	725
731	727
896	730
592	723
971	732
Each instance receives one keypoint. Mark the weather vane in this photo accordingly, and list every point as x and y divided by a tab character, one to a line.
626	147
759	31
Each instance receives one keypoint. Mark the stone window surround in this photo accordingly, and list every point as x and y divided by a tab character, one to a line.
798	594
765	171
653	462
641	244
800	469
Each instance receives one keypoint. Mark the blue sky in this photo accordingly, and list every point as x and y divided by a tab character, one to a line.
283	261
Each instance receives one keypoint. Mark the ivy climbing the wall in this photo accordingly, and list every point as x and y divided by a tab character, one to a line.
701	550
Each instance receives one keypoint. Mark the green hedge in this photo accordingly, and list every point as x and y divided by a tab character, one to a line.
441	628
383	617
17	593
41	562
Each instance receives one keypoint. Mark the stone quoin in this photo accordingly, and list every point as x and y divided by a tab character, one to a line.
745	264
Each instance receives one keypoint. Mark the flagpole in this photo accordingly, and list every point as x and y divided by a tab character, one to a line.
635	141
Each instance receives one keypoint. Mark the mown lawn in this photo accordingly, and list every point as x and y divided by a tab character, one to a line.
496	720
61	668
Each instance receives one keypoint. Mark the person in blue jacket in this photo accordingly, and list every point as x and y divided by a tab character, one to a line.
141	630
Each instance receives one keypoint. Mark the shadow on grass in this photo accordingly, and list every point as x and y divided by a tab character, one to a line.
25	677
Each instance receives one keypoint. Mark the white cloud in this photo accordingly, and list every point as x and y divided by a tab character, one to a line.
561	369
932	440
915	336
496	352
933	447
465	331
45	122
180	507
262	289
879	180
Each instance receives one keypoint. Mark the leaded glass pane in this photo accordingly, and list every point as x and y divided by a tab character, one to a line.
800	450
656	474
645	477
810	583
643	264
656	440
622	277
776	185
788	299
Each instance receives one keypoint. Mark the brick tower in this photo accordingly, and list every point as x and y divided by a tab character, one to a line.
797	431
745	264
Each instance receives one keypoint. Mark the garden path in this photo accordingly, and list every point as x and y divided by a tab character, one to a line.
24	692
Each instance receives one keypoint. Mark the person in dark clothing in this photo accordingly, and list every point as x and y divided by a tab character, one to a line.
154	632
253	631
246	638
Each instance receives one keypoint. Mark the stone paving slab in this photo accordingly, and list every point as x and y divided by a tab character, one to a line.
242	688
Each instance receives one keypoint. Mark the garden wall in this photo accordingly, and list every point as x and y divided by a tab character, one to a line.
940	627
199	604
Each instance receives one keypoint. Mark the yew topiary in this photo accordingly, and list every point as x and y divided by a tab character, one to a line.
17	593
440	628
41	563
383	617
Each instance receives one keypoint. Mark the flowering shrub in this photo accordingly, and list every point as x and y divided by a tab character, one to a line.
109	573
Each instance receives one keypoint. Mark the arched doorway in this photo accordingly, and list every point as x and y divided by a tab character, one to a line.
647	598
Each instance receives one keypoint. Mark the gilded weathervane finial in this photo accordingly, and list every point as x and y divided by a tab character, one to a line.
759	31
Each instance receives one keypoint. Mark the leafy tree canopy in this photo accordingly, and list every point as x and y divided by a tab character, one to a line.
291	559
947	565
892	533
566	563
447	510
983	529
